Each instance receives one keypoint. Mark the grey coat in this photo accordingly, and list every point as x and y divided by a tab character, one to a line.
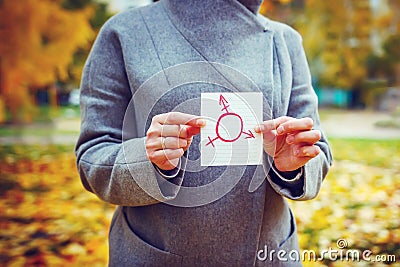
136	70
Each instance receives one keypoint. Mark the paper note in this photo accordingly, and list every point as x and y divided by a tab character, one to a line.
229	137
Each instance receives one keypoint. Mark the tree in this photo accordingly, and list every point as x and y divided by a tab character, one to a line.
337	40
392	49
41	37
270	5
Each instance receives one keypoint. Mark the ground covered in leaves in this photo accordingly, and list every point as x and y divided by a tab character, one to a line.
47	219
358	207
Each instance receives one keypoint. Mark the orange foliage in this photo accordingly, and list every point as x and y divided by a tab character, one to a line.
46	217
266	6
336	36
40	40
269	5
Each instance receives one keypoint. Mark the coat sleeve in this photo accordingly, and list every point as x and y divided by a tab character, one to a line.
116	170
303	102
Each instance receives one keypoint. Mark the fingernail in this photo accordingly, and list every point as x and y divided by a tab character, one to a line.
201	122
257	129
280	129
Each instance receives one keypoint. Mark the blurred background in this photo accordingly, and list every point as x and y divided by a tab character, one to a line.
47	219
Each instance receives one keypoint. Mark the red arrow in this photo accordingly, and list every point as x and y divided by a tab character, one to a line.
222	100
249	134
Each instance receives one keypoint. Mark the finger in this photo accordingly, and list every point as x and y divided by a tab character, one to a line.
153	131
271	125
161	156
268	128
169	164
269	136
166	143
307	151
172	130
270	144
309	137
189	142
181	131
291	126
179	118
171	143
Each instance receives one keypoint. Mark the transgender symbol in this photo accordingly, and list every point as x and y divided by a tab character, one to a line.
234	120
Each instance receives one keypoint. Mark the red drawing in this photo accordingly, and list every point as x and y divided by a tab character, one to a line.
223	102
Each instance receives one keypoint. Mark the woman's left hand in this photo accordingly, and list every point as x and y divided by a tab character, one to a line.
290	141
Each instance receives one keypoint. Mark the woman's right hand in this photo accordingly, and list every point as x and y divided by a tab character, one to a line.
169	136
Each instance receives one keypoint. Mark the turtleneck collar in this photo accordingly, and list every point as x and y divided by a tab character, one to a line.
215	25
205	15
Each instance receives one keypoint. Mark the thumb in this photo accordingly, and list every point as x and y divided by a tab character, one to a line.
269	133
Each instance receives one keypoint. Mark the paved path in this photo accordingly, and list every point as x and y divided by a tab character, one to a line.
67	139
341	124
55	133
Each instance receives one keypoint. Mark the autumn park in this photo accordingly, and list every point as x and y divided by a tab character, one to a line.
48	219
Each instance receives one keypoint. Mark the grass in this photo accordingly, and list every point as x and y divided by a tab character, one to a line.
379	153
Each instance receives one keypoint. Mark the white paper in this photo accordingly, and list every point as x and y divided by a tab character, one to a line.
229	137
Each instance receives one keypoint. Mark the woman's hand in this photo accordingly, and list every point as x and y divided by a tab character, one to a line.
290	141
169	136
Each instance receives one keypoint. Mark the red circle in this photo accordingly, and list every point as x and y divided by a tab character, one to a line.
218	123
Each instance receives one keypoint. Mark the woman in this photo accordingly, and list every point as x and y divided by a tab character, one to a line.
136	132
